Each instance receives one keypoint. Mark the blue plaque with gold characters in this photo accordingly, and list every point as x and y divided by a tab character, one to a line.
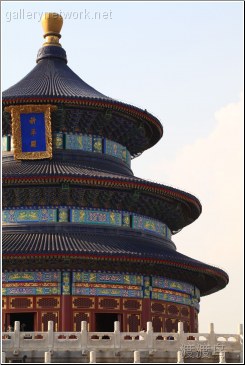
31	130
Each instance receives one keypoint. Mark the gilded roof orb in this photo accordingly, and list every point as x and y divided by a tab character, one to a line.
52	23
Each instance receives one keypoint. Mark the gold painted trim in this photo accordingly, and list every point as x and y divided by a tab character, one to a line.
108	308
186	307
138	316
85	308
46	307
15	111
56	316
74	319
20	297
139	301
4	303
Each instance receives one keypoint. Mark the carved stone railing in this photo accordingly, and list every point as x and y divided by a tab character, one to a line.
183	344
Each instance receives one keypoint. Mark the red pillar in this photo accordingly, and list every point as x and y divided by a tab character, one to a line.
192	319
146	311
66	313
66	302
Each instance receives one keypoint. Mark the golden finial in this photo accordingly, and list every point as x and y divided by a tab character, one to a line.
52	24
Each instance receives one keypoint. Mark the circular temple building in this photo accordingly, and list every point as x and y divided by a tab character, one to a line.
83	238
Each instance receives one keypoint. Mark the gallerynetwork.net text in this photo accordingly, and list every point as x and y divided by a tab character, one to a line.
22	14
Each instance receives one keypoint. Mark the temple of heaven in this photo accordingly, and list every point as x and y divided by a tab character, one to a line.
83	238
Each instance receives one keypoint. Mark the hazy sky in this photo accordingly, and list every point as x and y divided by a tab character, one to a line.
183	62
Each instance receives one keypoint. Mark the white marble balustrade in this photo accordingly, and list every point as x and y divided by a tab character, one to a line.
18	342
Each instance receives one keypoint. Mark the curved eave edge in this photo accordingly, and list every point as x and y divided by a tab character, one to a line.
216	273
114	183
119	106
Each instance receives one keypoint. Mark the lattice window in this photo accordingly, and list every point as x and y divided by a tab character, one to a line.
157	307
21	303
77	196
132	304
185	311
78	318
4	303
49	316
83	303
48	302
21	196
52	196
89	197
133	322
186	326
33	196
172	309
171	325
157	324
8	198
109	303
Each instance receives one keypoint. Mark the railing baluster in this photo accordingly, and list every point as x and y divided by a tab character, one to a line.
50	335
47	357
84	335
16	337
136	357
92	357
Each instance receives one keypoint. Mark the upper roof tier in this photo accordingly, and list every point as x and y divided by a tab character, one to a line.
52	81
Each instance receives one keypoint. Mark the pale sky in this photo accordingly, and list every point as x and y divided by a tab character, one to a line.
183	62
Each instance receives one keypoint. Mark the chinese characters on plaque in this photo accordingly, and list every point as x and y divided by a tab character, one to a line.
31	130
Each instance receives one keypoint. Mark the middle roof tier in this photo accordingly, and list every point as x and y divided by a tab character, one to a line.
49	182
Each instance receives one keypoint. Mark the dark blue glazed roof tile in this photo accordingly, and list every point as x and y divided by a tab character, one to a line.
87	243
44	168
110	246
29	168
52	78
52	81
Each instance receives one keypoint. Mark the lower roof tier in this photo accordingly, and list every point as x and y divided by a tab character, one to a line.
177	208
74	247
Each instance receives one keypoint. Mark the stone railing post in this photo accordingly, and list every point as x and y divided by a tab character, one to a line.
137	356
180	358
92	357
180	329
16	337
47	356
181	336
149	338
222	357
50	335
3	357
117	335
84	335
211	339
240	332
